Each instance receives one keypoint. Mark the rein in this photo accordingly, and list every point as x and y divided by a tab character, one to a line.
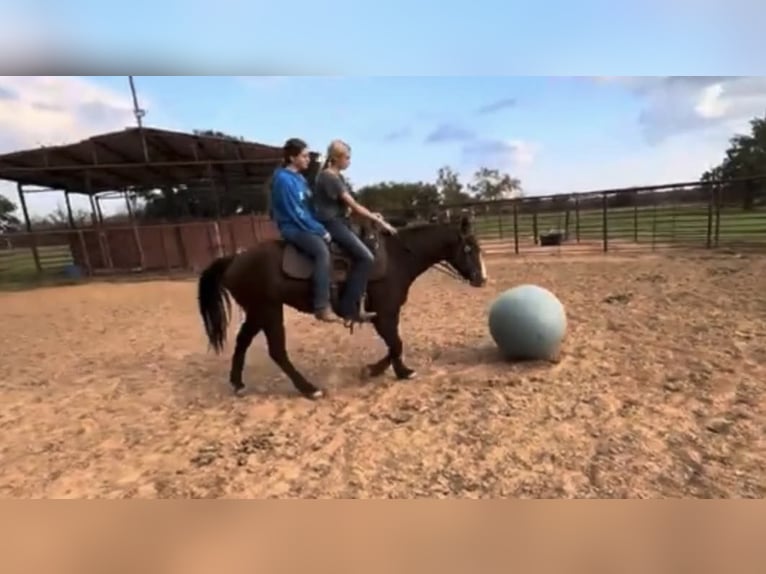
441	266
445	268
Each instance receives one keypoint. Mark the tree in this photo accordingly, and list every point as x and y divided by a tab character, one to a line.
491	184
745	158
449	186
203	198
415	198
59	218
8	221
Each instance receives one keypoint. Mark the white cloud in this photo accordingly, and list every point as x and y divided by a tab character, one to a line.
54	110
672	105
686	123
501	154
682	158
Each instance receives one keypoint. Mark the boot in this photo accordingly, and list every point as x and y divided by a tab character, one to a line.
361	317
325	315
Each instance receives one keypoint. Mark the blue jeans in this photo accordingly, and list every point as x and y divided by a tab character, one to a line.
317	249
362	262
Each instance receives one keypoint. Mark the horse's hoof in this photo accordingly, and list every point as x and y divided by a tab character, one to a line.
238	389
314	395
406	375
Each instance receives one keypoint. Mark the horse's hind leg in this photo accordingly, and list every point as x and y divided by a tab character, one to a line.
274	329
247	332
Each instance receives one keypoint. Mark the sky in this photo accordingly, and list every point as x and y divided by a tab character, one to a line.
566	97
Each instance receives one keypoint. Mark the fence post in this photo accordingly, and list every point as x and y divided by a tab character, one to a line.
136	233
577	219
28	226
709	239
654	223
516	227
181	246
85	254
254	229
605	229
534	225
717	215
635	218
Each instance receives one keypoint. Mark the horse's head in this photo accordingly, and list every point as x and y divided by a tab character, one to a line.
465	257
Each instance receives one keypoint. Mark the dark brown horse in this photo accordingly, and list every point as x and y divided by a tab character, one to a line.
265	278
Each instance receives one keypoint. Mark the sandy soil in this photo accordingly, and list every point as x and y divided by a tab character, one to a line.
108	390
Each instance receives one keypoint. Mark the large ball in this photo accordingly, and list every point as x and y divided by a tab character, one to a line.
528	322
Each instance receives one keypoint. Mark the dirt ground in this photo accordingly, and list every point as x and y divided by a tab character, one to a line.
108	390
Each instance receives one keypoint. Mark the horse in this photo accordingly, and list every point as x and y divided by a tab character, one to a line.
272	274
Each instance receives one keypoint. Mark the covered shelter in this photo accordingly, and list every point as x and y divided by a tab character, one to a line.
136	159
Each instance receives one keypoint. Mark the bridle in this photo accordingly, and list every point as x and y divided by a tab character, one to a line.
441	266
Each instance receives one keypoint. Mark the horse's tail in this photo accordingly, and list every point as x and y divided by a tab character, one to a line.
214	302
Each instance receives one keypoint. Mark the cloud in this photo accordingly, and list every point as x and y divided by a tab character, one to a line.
397	135
501	154
52	110
497	106
29	35
673	105
447	132
6	94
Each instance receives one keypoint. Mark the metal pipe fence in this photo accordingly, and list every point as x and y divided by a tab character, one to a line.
616	221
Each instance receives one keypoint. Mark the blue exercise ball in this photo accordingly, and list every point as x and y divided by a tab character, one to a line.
528	322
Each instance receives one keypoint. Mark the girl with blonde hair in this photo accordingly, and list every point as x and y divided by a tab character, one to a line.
333	202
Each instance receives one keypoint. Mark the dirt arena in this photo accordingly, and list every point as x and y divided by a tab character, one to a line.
108	390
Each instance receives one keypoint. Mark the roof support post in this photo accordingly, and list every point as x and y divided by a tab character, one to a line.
28	226
136	233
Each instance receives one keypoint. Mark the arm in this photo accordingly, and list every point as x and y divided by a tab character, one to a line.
336	188
286	194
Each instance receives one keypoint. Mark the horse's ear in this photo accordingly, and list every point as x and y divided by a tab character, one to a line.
465	224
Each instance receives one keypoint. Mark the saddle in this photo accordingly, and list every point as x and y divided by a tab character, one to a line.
296	265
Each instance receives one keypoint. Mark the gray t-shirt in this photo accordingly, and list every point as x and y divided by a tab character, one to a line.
328	188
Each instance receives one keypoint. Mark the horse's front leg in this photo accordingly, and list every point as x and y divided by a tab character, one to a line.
387	326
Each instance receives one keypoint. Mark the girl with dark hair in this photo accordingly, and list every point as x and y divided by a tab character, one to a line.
296	223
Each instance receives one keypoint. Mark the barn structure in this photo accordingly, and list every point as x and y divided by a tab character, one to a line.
140	159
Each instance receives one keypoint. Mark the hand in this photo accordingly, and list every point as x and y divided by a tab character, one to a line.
388	227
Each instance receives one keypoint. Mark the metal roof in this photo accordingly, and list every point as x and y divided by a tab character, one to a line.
141	158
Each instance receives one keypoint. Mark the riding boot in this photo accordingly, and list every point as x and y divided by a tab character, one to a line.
364	316
360	315
325	315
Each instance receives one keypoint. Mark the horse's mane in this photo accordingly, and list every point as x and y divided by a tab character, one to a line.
421	227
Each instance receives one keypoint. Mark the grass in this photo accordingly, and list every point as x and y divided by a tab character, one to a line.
646	224
17	265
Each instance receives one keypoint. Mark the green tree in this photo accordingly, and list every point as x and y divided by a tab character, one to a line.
745	158
415	198
204	199
492	184
449	186
8	219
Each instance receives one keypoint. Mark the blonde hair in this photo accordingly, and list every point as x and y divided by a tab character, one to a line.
334	151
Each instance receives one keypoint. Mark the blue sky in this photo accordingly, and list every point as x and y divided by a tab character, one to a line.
412	86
